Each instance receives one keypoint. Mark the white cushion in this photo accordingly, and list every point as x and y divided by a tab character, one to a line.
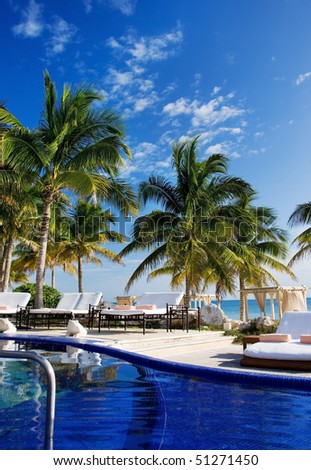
6	326
74	328
86	299
160	299
14	299
124	307
280	351
295	323
40	310
68	301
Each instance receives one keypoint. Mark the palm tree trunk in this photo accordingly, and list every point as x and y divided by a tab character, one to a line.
80	284
2	265
53	276
40	274
7	264
242	299
187	293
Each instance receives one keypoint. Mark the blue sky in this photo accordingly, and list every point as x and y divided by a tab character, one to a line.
237	72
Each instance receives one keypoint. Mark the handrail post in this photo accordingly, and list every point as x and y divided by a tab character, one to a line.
51	389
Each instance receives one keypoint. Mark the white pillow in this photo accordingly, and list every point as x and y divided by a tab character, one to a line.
74	328
6	326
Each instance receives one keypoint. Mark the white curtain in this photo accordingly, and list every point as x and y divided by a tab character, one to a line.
261	301
293	301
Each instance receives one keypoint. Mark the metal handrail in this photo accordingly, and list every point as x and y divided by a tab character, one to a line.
51	389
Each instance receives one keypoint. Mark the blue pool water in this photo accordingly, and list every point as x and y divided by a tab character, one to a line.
105	402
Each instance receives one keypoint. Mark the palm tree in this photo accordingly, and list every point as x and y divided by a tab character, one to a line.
259	242
301	216
89	229
77	146
26	258
18	204
183	235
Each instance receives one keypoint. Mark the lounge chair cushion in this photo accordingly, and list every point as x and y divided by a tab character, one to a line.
123	307
305	339
292	351
146	306
295	323
123	313
14	299
275	337
160	299
86	299
68	301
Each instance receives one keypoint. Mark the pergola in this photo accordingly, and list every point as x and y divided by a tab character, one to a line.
279	293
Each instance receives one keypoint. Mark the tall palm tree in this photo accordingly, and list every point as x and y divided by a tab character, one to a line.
18	204
301	216
183	235
259	242
77	146
89	229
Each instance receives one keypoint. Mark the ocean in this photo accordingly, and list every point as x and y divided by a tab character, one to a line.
231	308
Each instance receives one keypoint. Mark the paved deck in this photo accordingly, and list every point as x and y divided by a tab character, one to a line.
205	348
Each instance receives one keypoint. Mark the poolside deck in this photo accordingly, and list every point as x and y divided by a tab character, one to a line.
205	348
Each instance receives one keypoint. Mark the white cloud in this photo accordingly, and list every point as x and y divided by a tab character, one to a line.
216	90
181	106
57	33
133	85
113	43
88	5
146	102
147	48
225	148
119	78
126	7
302	77
145	149
217	148
62	34
32	24
211	113
135	92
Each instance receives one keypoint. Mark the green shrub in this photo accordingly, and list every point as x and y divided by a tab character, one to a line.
51	296
251	330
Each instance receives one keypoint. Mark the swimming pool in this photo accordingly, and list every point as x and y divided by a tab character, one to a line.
111	399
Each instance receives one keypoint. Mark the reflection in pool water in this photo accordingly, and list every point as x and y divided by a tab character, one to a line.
107	403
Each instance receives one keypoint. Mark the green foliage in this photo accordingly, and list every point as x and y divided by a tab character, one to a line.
51	296
250	330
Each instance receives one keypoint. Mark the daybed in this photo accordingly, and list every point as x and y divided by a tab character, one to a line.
289	349
71	305
150	306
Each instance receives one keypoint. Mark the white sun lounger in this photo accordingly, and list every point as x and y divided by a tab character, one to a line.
151	306
283	355
70	305
12	304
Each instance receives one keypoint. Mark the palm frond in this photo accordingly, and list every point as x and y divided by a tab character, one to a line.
301	215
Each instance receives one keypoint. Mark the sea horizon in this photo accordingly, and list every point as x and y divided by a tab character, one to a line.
231	308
